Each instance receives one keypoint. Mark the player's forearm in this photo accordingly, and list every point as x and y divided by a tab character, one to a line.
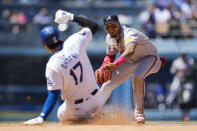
129	51
108	58
49	103
126	55
86	23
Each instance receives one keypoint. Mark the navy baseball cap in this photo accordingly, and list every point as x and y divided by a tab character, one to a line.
49	36
110	18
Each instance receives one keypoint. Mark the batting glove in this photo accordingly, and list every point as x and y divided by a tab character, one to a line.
35	121
63	17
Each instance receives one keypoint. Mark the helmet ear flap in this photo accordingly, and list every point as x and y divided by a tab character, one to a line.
53	46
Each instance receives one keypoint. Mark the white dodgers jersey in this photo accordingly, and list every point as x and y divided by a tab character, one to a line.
70	70
143	48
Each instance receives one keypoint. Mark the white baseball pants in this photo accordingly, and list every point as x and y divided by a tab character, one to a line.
90	105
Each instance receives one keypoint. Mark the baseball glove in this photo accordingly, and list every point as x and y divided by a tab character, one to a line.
104	73
110	66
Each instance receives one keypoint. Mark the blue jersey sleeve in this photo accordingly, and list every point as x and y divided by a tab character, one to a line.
50	103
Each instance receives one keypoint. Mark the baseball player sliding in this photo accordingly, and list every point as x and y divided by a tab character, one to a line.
69	72
139	59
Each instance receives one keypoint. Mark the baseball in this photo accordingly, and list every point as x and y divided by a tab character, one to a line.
63	27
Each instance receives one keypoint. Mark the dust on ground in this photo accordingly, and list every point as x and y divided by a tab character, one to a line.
113	116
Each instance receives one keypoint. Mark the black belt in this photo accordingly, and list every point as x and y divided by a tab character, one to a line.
81	100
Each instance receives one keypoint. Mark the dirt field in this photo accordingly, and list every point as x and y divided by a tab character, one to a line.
113	122
149	126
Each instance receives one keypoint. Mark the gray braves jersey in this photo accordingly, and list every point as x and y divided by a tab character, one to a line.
128	36
142	63
66	68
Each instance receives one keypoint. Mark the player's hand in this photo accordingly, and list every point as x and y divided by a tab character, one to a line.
35	121
63	17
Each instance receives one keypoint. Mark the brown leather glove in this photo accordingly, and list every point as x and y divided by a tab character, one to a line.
110	66
103	75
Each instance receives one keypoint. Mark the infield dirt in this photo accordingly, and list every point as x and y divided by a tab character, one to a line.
115	121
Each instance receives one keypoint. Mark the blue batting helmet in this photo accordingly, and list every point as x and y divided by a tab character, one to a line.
49	36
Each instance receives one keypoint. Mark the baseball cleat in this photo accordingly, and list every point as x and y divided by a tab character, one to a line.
140	119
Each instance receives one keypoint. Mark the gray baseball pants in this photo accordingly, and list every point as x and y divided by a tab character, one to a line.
138	70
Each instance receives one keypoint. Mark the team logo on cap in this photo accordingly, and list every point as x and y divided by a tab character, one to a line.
109	18
48	31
